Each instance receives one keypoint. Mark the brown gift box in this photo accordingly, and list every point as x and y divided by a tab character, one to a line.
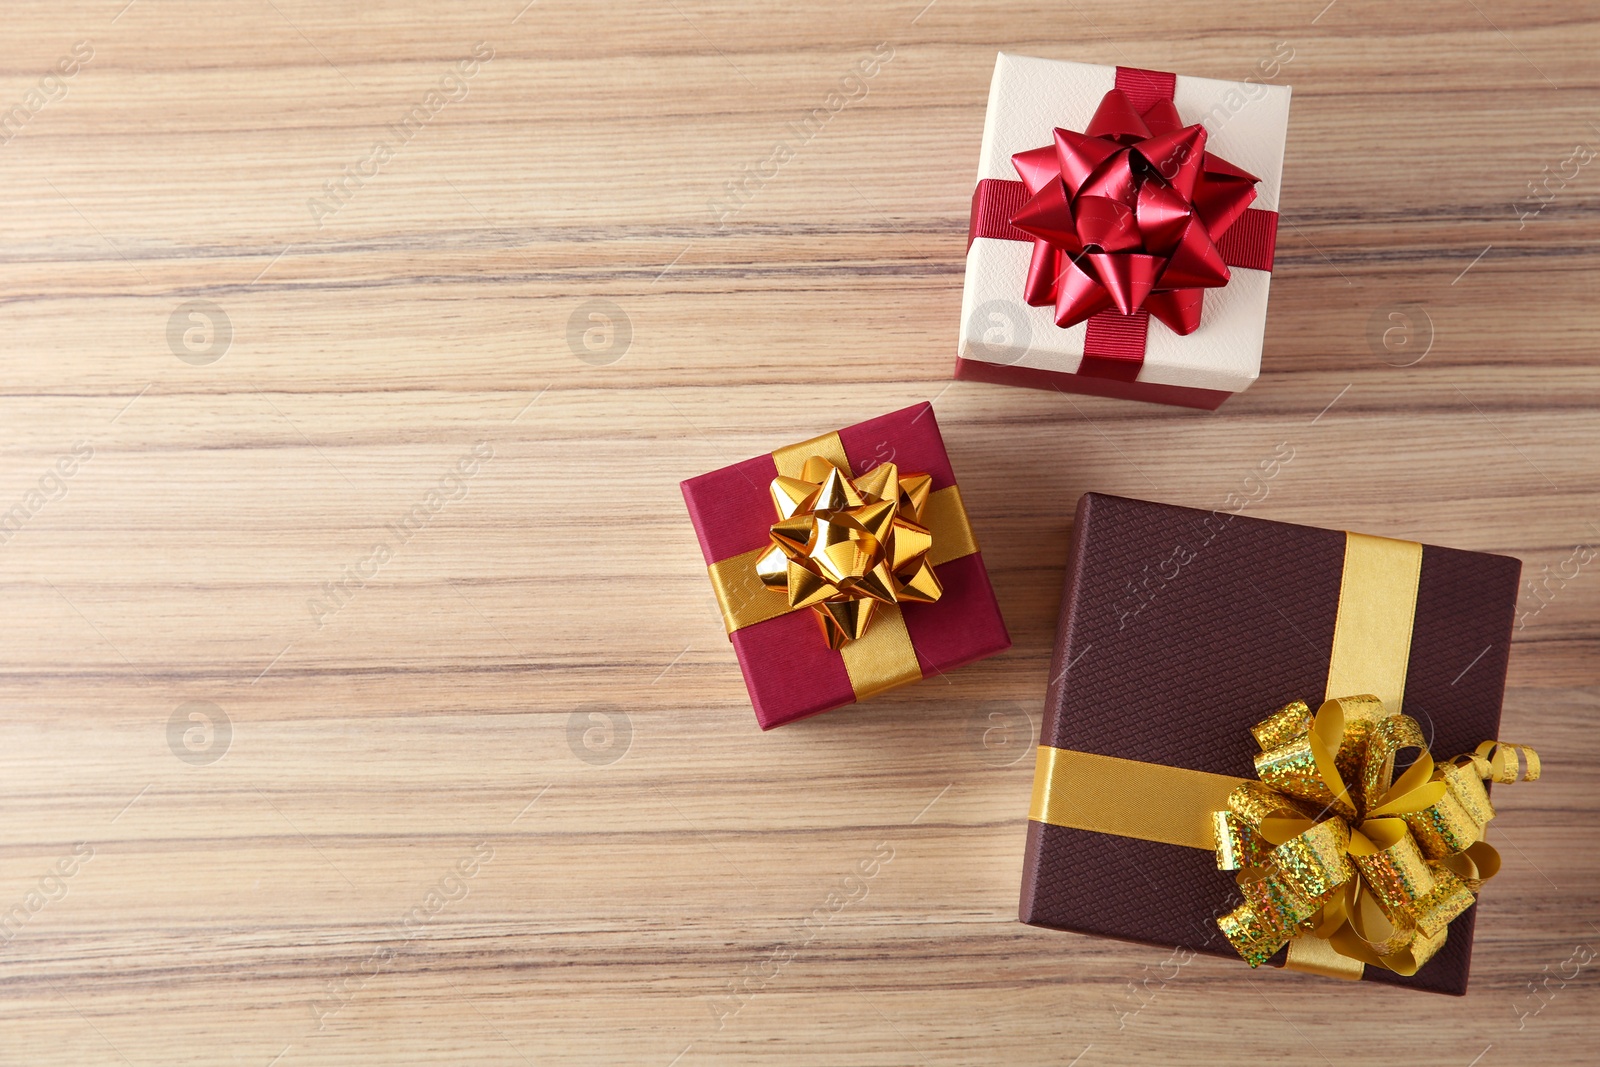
1180	629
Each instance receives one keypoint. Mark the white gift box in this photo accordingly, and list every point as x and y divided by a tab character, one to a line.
1005	340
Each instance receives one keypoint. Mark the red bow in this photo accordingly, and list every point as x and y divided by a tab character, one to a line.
1128	214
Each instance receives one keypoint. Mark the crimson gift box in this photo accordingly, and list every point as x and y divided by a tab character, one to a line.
1180	629
788	668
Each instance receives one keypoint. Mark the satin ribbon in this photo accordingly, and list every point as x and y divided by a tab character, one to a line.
1130	218
1346	864
1329	845
854	565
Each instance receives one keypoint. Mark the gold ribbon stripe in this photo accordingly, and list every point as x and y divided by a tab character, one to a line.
883	657
1372	632
791	461
1129	798
1371	652
741	596
946	517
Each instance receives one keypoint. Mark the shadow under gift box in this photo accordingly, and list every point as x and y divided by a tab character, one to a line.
1185	628
788	668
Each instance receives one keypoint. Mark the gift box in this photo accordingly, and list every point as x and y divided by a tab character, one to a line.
845	566
1122	233
1181	633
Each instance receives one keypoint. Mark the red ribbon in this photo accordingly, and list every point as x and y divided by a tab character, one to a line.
1128	219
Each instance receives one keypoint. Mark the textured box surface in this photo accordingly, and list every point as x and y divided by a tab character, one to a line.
1004	339
1172	663
788	668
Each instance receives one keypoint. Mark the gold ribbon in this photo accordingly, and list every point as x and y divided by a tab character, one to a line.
1129	798
1372	630
1425	847
1330	846
859	609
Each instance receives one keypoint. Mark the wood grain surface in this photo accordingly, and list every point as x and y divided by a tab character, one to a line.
491	793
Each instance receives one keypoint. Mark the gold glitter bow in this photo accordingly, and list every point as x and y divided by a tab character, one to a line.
844	545
1375	874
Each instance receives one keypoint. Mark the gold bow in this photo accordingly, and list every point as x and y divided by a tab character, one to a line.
1370	876
842	546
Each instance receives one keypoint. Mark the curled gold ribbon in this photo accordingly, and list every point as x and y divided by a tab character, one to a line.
1331	847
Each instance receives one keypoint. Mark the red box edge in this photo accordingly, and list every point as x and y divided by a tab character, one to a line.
1033	378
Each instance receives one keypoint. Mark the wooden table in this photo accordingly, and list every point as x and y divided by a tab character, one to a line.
497	796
